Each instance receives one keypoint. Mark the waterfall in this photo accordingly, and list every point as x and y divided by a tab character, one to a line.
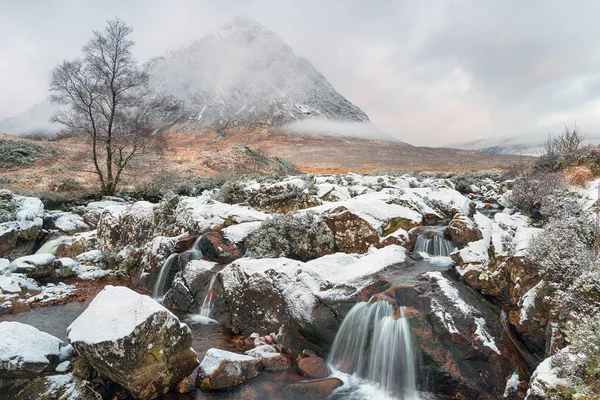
374	345
159	285
51	246
209	299
203	315
193	253
435	246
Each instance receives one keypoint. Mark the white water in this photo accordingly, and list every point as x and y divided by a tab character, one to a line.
203	316
436	246
373	345
193	253
51	246
159	285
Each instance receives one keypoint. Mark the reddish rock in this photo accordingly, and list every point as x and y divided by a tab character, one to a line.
462	231
216	248
184	243
314	368
317	390
352	234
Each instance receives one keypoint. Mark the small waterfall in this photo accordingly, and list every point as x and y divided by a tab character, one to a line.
193	253
374	345
209	299
435	246
159	285
51	245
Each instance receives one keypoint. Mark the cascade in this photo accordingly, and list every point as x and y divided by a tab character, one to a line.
209	299
374	345
51	246
434	246
193	253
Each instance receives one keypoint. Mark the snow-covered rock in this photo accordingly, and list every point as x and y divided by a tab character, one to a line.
191	285
222	369
238	233
82	242
545	382
94	209
134	341
199	214
58	387
21	219
264	294
65	222
27	352
36	266
92	257
270	358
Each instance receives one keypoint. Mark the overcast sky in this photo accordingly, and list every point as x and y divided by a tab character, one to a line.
428	72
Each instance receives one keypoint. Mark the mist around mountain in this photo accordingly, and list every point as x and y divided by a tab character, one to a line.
240	75
527	145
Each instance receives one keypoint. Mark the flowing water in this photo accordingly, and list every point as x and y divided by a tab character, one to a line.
51	245
374	345
193	253
435	246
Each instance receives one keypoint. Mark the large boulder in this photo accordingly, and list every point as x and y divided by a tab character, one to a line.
304	300
215	247
222	369
465	350
36	266
497	264
21	221
134	341
26	352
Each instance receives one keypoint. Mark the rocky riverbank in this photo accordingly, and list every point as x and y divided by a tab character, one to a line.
279	263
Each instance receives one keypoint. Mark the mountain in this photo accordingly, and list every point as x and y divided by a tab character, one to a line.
33	122
531	145
240	75
243	73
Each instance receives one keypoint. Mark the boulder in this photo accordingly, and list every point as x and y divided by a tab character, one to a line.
21	220
92	212
191	285
462	231
222	369
306	299
216	248
26	352
239	232
270	358
312	390
134	341
92	257
36	266
65	222
81	243
352	234
314	368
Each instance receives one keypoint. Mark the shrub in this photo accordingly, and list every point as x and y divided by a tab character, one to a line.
563	251
530	189
232	192
560	204
301	236
578	176
561	151
20	153
64	184
584	337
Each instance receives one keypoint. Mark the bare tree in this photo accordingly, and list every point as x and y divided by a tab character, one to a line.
109	102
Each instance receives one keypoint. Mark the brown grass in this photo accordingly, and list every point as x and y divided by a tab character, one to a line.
578	176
